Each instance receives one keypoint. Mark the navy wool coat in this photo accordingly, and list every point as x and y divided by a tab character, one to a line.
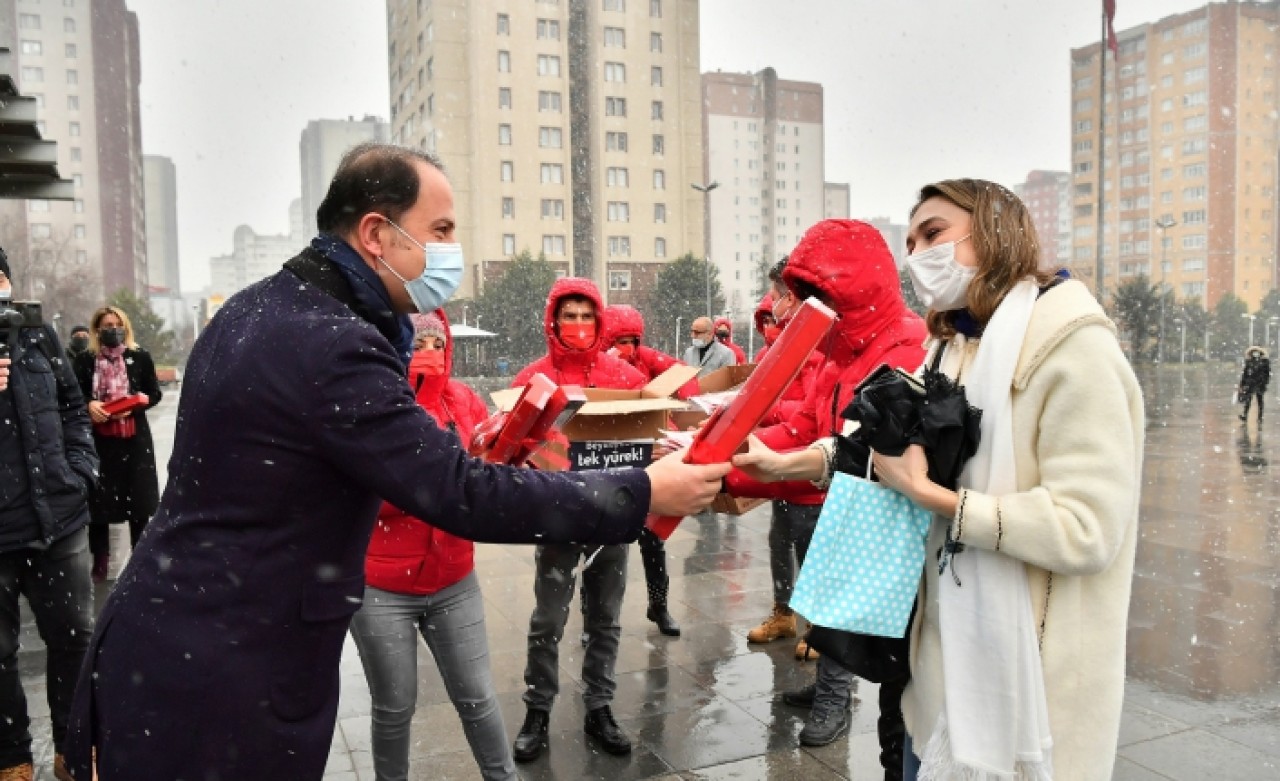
216	656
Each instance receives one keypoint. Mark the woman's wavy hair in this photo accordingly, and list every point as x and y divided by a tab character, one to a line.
96	321
1004	240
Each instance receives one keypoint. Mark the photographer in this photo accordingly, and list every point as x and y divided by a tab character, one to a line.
48	465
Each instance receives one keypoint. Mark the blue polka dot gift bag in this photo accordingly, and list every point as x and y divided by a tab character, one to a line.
863	566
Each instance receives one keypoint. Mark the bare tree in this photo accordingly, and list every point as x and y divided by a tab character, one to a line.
50	270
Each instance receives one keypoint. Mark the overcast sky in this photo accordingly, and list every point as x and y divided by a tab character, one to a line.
915	90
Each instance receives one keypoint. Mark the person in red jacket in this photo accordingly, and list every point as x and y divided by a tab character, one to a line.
575	324
420	579
846	265
724	332
766	325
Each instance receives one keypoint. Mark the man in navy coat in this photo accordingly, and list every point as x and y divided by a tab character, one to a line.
216	657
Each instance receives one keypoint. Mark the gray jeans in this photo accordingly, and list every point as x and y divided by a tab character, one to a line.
790	530
604	584
386	633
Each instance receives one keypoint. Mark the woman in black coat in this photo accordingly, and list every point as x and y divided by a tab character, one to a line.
127	490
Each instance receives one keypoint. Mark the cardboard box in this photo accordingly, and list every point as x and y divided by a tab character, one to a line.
620	415
734	505
723	379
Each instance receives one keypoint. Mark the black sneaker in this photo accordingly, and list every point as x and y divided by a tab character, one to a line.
533	736
824	726
600	725
666	622
801	698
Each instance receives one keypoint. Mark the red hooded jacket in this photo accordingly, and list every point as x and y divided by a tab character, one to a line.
737	351
625	320
406	555
589	368
850	264
763	309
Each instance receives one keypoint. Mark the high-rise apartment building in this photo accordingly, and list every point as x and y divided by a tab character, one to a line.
323	143
160	180
1047	195
80	61
569	128
836	204
1191	153
894	235
764	143
255	256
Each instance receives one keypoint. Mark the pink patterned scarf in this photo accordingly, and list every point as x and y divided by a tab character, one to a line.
110	377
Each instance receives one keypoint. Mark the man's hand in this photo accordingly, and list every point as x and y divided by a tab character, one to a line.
678	489
4	373
96	413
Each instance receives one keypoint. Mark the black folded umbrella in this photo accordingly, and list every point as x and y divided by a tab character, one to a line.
896	410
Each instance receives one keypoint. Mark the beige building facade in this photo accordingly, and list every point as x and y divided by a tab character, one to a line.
837	204
568	128
764	142
1192	138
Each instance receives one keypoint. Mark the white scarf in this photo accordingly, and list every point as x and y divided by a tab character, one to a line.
994	722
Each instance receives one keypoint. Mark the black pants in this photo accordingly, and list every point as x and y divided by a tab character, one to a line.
57	586
100	536
654	555
1248	397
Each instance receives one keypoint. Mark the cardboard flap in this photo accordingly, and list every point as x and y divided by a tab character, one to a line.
726	378
666	384
629	406
506	398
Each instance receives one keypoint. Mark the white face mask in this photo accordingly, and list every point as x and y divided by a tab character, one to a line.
700	342
939	281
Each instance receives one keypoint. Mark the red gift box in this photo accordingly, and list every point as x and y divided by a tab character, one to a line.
126	404
511	437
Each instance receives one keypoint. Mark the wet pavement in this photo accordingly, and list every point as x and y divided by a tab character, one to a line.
1203	698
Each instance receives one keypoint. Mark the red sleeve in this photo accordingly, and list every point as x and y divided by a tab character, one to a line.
800	430
656	360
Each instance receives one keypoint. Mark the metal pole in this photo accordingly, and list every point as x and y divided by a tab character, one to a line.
195	323
1206	342
1102	159
677	349
1182	358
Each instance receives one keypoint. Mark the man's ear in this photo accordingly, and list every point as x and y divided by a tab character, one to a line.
368	235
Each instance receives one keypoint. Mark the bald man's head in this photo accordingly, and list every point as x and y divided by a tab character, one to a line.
700	331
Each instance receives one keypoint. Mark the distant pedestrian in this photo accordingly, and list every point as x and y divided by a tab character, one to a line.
128	491
724	335
707	352
78	343
1254	379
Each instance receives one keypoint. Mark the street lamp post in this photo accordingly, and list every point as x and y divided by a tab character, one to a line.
1251	319
706	189
1164	224
678	321
1182	327
195	323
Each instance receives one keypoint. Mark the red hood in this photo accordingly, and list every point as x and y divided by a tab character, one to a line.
623	320
765	307
561	355
428	389
851	264
723	321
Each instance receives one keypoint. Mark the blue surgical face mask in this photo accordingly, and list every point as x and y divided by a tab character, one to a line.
441	273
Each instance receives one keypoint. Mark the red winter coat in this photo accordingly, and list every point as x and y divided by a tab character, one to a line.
763	309
627	321
850	264
737	351
589	368
406	555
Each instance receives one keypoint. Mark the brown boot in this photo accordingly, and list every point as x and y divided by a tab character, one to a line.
60	771
19	773
780	623
804	652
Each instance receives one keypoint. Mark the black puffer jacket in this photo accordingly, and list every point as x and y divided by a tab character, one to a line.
48	441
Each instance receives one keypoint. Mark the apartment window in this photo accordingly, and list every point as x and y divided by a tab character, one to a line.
32	47
1195	217
1193	51
615	71
1084	126
1191	29
552	173
504	97
1200	98
41	230
553	244
655	110
1197	241
655	9
508	208
619	211
619	280
655	76
1194	193
659	145
615	142
1084	210
548	65
615	37
1083	105
79	232
504	61
1192	124
1166	58
615	5
1193	146
616	177
32	75
431	31
615	107
38	205
507	171
508	244
69	51
431	106
68	25
659	247
1166	196
552	209
655	42
1084	167
659	212
659	179
74	129
549	101
504	135
431	67
620	246
75	154
504	24
73	102
1166	82
1166	174
1166	128
548	29
550	137
1194	171
29	21
78	206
